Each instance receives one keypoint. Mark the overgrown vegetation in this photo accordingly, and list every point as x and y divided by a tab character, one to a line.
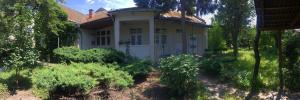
239	71
293	63
180	74
98	55
76	78
138	68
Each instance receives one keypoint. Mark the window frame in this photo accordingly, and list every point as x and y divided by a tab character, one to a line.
103	38
136	36
161	37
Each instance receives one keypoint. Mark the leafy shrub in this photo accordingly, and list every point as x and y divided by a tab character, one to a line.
215	39
73	54
179	73
77	78
211	65
137	67
3	89
292	67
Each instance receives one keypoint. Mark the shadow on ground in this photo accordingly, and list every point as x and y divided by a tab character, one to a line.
11	83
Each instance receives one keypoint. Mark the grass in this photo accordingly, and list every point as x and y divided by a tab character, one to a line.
240	71
8	84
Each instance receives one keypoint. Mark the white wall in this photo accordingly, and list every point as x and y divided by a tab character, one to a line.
141	20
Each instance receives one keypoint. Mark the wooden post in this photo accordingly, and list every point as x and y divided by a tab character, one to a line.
254	82
280	62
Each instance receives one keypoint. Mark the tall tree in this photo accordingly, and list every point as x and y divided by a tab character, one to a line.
51	23
19	20
234	15
204	7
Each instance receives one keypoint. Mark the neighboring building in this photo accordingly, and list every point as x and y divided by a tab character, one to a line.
140	32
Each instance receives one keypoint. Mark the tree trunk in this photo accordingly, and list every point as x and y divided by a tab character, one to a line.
234	43
254	82
17	78
184	34
280	65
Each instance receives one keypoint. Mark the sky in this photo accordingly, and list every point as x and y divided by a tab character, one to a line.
84	5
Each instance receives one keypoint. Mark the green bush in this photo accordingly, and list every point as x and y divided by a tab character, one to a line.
211	65
137	67
179	73
77	78
73	54
292	67
3	89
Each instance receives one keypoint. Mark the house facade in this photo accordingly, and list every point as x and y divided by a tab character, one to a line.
140	32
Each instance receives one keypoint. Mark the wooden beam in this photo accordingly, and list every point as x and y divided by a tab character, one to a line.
280	62
279	8
295	20
276	28
262	12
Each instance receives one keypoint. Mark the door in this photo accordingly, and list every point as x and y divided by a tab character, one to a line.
161	39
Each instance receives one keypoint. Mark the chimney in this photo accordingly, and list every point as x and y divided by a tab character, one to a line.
90	13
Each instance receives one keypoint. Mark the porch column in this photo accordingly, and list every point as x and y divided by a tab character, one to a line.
117	33
280	62
151	38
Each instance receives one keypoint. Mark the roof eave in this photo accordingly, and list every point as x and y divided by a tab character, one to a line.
133	10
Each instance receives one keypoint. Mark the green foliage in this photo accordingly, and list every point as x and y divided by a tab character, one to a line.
201	93
3	89
52	80
215	37
234	17
163	5
211	65
239	71
78	78
179	73
17	47
8	81
245	39
51	23
137	67
73	54
292	67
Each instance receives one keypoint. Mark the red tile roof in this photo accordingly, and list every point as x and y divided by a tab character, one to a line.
80	18
73	15
177	16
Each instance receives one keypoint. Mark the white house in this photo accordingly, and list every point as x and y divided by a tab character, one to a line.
141	32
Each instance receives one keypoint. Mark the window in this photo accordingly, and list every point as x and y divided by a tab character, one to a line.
192	43
179	31
103	38
136	36
161	36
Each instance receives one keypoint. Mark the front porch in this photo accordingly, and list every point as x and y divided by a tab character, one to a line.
141	35
135	38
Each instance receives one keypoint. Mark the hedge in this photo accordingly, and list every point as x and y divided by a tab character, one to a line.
99	55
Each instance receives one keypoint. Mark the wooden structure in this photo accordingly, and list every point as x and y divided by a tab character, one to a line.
274	15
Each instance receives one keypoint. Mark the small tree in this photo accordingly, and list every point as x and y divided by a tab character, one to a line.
18	41
215	38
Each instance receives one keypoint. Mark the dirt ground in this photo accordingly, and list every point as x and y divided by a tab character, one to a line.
22	95
150	89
